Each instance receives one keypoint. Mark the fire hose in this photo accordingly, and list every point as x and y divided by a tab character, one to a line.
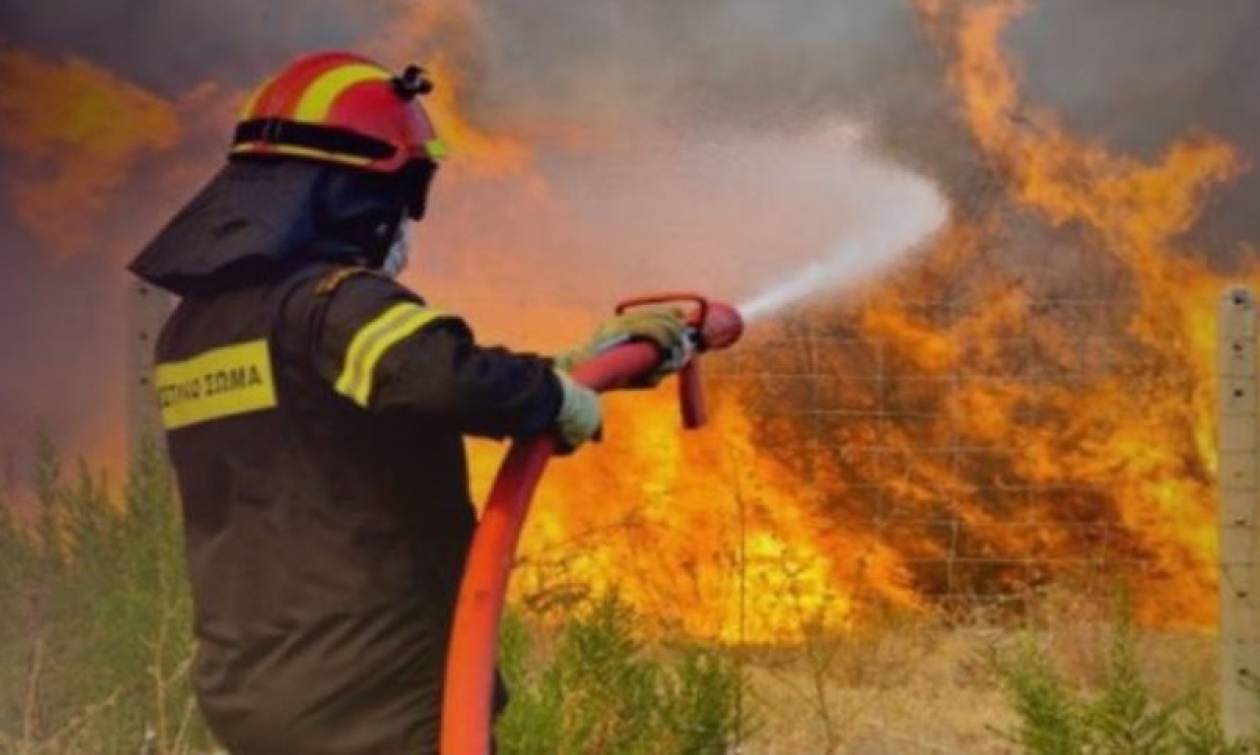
470	666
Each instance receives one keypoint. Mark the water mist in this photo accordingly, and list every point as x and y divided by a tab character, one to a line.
895	210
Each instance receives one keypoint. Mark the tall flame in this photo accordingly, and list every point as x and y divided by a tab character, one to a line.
1144	428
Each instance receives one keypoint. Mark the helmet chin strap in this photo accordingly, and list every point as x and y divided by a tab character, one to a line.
399	251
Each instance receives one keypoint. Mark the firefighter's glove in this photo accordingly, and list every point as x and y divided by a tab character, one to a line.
663	327
579	418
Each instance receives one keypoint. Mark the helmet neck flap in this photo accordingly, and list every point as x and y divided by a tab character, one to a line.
259	219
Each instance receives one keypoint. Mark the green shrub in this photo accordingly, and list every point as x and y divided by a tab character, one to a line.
1118	716
599	691
95	627
1052	721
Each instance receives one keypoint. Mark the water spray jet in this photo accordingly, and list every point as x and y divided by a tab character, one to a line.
898	216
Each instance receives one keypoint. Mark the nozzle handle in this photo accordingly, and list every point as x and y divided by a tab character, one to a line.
695	410
695	318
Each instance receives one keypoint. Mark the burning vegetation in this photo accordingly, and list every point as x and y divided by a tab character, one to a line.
1013	411
1028	402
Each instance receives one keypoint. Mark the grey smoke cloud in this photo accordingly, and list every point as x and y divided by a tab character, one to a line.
168	45
1140	72
717	65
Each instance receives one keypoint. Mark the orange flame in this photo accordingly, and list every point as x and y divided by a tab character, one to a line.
696	530
76	130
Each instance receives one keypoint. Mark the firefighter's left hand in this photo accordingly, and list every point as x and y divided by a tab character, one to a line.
665	328
580	416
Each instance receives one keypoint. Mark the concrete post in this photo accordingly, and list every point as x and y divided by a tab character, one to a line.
1239	512
147	309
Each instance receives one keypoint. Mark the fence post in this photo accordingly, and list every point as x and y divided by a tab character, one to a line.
147	308
1239	511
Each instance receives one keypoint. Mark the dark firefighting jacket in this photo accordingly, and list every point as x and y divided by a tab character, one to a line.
315	422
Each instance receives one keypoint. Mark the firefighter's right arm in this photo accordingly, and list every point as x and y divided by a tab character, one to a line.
381	347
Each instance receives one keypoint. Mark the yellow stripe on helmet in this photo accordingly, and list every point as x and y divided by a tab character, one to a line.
437	149
372	341
320	95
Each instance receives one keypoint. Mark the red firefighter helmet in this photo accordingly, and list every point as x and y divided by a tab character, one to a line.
343	109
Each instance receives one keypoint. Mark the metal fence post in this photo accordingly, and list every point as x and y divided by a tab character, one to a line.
1239	499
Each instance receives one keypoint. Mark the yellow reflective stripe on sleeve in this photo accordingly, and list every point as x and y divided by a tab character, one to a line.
372	341
318	98
216	384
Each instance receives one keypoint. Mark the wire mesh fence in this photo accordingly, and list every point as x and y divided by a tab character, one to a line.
872	443
886	450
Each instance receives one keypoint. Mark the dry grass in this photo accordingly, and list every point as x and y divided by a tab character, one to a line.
909	690
909	686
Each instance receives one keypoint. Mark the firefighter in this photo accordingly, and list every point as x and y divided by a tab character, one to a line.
314	410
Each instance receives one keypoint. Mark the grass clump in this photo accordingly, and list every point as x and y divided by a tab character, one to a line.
599	690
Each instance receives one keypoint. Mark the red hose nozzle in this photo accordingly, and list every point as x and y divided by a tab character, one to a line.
716	325
721	328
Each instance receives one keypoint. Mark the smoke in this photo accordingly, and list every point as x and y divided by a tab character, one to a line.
172	46
707	145
728	216
730	64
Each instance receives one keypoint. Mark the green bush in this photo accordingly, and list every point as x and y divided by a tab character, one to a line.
1118	716
599	691
95	630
